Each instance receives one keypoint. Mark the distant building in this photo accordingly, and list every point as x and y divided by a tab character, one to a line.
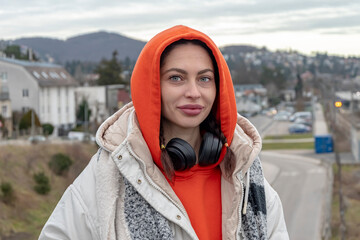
46	88
350	101
95	96
103	101
250	98
5	107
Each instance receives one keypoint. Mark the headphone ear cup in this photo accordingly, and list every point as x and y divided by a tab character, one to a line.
209	150
181	153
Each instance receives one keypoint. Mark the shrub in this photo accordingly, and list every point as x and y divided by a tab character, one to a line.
25	121
60	163
42	183
7	192
48	129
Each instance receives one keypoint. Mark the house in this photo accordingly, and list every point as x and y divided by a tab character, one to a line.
46	88
5	107
250	98
103	101
95	96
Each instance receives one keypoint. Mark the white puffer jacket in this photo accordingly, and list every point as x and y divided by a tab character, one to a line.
122	194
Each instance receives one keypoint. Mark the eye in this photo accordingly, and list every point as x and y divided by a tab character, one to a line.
175	78
205	79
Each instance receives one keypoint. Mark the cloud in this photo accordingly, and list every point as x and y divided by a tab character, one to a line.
142	19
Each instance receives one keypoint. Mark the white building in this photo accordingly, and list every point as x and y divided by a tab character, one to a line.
103	101
46	88
96	99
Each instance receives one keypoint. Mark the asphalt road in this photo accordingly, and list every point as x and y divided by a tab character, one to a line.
302	185
301	182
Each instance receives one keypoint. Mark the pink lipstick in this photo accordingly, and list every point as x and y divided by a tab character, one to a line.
191	109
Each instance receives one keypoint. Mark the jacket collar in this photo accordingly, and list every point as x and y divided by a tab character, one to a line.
246	143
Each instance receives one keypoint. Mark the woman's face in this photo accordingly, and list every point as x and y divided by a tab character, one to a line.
188	87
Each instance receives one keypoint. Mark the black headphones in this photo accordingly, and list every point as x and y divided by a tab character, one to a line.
183	155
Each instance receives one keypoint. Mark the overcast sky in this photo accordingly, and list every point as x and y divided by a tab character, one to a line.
331	26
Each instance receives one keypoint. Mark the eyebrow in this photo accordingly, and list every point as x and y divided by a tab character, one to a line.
184	72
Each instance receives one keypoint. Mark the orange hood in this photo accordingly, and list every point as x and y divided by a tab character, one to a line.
145	87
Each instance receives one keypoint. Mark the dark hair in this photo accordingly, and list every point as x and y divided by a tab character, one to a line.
208	125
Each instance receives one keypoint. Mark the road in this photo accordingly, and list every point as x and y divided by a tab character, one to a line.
301	182
302	185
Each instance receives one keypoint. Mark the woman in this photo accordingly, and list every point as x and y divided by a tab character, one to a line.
177	162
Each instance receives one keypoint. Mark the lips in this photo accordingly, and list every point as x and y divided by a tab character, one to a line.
191	109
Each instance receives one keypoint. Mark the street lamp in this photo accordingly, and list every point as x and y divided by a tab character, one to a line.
338	104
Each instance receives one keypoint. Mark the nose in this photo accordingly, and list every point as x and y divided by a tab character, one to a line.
192	90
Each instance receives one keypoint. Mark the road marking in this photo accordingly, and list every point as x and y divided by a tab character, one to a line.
316	171
289	174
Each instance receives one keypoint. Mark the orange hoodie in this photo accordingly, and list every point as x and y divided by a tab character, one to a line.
198	188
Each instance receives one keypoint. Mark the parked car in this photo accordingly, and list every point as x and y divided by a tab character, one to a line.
80	136
299	128
282	116
36	139
304	120
300	114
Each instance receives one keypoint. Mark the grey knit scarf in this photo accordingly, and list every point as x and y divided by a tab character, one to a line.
144	222
254	221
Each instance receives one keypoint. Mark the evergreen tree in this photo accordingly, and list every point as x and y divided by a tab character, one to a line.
82	111
110	71
15	51
274	77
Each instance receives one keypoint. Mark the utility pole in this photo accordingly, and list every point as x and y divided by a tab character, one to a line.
32	122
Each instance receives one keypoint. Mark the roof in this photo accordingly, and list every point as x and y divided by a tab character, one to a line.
46	74
25	63
347	95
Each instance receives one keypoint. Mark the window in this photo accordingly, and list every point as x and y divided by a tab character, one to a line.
4	111
36	74
63	75
25	93
54	75
45	75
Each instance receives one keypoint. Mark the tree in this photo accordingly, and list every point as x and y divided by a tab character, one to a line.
110	71
299	87
84	112
15	51
26	120
274	77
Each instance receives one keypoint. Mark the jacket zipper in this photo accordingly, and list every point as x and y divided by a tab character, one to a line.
238	231
183	211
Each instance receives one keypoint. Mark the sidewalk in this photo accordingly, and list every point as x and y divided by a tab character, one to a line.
300	140
345	157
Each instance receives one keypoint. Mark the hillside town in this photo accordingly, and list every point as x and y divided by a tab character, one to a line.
262	80
305	107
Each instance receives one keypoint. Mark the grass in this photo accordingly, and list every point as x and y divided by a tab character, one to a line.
277	146
351	195
25	217
289	136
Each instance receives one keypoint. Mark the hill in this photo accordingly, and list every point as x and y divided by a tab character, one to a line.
24	216
91	47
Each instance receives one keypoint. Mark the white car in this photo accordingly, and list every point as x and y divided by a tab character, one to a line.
300	114
282	116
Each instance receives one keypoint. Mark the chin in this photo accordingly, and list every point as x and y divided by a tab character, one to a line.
189	122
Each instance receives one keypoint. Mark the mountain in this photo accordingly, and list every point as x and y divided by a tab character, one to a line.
236	49
90	47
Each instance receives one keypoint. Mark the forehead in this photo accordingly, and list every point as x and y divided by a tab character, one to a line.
187	52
